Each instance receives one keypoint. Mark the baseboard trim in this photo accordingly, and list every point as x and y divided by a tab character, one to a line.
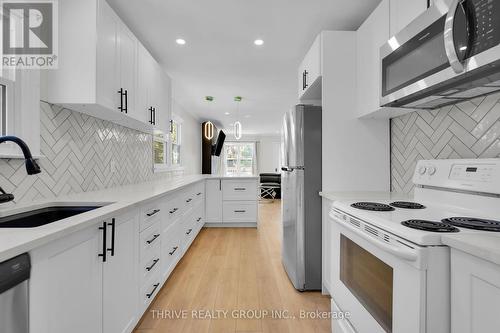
231	225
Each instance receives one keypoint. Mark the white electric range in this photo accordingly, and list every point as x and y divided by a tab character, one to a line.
390	270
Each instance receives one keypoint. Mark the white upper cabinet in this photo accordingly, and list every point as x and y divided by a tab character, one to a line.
153	91
372	34
309	74
390	17
101	66
403	12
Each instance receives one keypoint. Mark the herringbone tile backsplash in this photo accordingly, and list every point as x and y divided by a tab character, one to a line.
79	151
467	130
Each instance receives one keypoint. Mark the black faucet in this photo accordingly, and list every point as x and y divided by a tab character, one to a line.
32	168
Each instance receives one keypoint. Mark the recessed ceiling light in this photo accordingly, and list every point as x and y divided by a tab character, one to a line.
227	113
180	41
258	42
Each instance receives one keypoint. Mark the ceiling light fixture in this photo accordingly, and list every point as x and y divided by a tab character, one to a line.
180	41
237	130
258	42
227	113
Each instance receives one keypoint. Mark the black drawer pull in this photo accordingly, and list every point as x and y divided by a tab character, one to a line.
240	211
189	200
104	249
153	212
189	231
153	291
199	193
198	219
173	210
113	231
240	188
153	239
152	265
174	249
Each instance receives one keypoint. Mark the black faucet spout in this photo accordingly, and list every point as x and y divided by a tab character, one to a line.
32	167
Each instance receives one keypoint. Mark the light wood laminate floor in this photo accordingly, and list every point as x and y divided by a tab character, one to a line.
228	269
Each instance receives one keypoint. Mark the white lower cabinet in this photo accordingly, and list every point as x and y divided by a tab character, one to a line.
86	282
230	202
66	285
120	278
475	294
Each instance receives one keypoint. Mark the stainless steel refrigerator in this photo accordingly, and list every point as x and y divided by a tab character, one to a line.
301	203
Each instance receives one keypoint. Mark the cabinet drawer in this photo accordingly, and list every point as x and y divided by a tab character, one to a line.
150	267
239	211
149	238
149	291
173	208
239	190
150	213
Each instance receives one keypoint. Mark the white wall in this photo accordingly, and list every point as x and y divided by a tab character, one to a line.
268	153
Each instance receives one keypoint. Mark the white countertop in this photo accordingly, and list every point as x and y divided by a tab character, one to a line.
14	241
484	246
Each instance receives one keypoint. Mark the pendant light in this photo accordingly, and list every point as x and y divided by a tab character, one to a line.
208	128
238	130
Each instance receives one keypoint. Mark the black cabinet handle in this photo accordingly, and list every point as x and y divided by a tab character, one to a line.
198	219
104	252
198	194
153	239
240	189
240	211
189	200
113	230
220	184
173	210
154	116
152	265
151	115
171	125
153	291
174	249
126	101
189	231
305	79
121	99
153	212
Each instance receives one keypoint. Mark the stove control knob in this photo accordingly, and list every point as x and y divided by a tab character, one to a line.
431	170
422	170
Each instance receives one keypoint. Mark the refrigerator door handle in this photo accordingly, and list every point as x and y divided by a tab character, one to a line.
290	169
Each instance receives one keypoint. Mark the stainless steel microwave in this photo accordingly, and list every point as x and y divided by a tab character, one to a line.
448	54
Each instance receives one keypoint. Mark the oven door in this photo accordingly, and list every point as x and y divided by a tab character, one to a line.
379	283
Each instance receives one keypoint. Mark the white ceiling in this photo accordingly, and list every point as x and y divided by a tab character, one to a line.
220	59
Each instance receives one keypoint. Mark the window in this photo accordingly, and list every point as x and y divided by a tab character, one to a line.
175	141
239	158
167	147
160	150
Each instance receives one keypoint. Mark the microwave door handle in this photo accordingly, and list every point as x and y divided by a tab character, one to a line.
449	40
397	251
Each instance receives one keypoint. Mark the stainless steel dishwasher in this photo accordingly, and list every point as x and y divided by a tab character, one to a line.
14	297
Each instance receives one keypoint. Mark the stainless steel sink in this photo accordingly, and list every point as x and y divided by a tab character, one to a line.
43	216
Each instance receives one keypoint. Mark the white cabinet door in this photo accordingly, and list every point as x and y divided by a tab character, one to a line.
164	108
405	11
145	77
120	280
310	72
127	44
372	34
475	294
213	201
66	285
108	79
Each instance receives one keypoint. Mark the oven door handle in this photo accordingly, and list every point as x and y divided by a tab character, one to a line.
398	252
449	39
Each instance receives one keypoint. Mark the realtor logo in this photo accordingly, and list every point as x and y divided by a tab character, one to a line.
29	34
